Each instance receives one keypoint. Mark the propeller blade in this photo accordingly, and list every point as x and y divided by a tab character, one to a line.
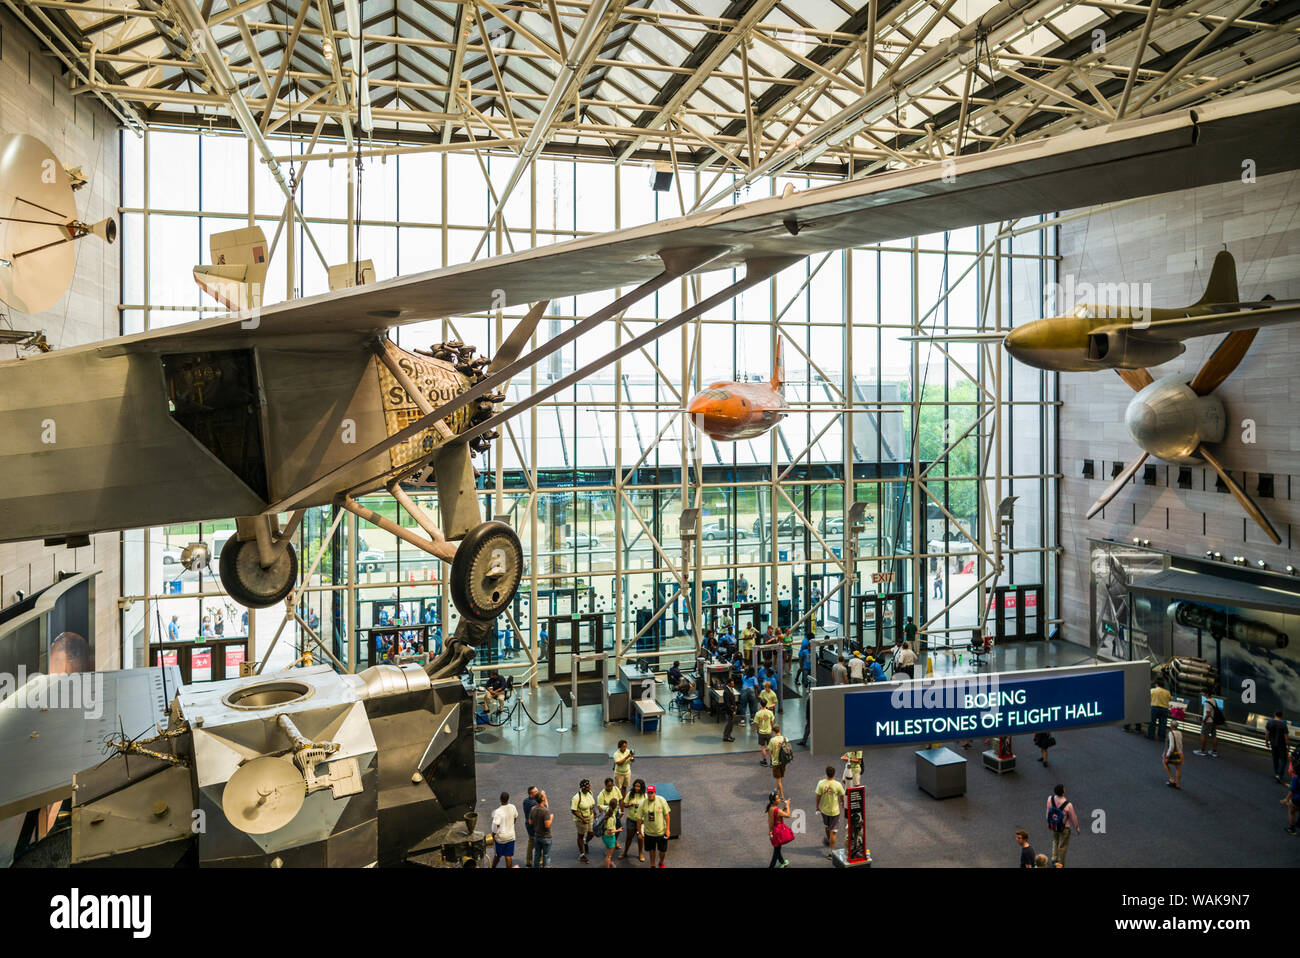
1223	361
1239	493
1138	379
1121	480
518	338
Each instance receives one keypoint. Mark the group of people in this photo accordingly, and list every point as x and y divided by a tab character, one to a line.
624	808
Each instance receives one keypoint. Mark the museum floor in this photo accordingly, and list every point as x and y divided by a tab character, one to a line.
1228	813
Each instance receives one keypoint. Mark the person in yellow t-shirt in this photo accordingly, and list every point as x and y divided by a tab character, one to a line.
610	793
829	793
655	824
1158	726
623	759
763	720
583	807
778	767
632	803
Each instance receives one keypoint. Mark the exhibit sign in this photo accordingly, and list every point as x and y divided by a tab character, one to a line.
982	706
856	805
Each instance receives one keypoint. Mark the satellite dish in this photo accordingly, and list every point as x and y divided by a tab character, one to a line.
263	795
38	224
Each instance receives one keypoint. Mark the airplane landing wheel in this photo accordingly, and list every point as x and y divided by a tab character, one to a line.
486	571
248	583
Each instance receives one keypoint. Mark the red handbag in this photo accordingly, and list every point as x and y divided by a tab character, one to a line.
781	835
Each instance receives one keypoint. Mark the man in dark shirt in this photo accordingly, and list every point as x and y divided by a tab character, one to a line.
496	689
675	675
1275	733
729	708
529	804
1026	849
541	819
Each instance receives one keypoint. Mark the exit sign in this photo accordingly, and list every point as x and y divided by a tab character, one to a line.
882	577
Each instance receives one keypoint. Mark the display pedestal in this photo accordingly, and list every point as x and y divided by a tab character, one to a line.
941	772
840	859
996	763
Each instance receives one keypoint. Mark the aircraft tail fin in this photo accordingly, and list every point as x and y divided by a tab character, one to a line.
1222	287
778	370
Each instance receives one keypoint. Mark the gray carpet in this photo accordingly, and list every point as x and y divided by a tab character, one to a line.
1228	813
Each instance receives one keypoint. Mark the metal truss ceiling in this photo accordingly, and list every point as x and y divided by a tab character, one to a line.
753	86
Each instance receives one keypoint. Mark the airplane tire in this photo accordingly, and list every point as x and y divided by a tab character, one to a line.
475	594
248	583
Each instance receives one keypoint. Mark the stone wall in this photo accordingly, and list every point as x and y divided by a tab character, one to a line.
34	99
1170	242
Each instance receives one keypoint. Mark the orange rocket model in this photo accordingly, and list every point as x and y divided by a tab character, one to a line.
729	411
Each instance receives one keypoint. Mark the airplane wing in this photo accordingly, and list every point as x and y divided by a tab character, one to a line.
1130	158
1188	327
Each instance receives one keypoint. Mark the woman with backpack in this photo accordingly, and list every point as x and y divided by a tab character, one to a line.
778	832
1173	757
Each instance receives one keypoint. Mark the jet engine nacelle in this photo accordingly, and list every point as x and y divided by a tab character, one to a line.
1126	349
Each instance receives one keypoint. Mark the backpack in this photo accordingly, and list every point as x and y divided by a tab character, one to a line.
1056	816
1218	717
787	752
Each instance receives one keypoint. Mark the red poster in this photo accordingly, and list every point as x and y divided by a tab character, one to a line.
201	659
234	655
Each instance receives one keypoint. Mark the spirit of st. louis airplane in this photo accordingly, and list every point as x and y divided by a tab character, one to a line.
262	413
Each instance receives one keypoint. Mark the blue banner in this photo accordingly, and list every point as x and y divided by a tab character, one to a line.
981	706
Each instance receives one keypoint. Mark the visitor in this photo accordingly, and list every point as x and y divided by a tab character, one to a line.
749	695
583	808
610	793
905	660
909	635
623	759
1275	734
805	660
206	630
495	691
747	640
632	804
839	672
729	703
530	802
1041	861
1061	817
219	623
1159	712
873	667
1211	718
1173	756
1043	741
542	819
938	585
857	668
655	824
852	760
778	764
828	795
174	629
769	698
1026	850
776	815
610	828
503	832
763	721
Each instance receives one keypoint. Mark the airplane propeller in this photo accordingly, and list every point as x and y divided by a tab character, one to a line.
1218	367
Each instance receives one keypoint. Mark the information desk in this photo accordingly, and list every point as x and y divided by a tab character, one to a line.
635	680
941	772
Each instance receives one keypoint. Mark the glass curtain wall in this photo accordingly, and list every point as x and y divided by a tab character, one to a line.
595	478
